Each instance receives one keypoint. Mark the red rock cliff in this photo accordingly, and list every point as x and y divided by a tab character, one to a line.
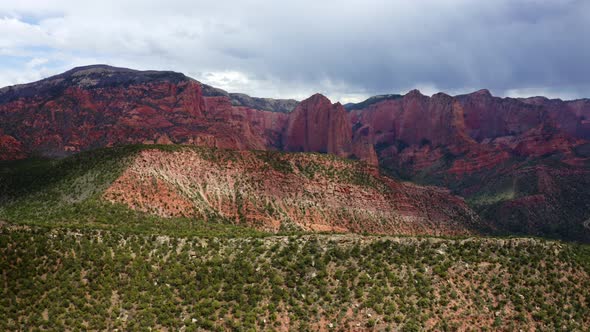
318	125
96	106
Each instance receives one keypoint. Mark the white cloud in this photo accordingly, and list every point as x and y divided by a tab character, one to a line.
10	76
347	49
36	62
16	33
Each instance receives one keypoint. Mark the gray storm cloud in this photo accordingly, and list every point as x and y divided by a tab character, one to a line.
345	49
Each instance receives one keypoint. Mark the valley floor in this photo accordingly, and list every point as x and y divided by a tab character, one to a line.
56	278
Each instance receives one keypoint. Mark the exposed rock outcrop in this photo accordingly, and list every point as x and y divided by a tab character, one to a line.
318	125
10	148
477	131
96	106
274	191
479	145
463	142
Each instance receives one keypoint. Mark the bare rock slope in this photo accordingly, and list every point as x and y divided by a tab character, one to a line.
275	191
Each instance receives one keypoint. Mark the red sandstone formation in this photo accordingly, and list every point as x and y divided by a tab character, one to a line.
10	148
318	125
483	148
89	111
278	191
464	142
478	130
98	106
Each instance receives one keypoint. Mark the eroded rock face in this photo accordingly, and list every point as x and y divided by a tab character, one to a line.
472	132
464	142
95	106
10	148
98	106
317	125
320	126
482	146
273	191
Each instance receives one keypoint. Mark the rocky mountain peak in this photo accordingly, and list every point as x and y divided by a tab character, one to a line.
482	92
266	104
317	98
414	93
89	77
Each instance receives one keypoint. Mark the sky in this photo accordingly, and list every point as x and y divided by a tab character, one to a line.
348	49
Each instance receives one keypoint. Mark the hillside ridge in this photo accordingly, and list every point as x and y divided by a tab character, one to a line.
521	163
268	191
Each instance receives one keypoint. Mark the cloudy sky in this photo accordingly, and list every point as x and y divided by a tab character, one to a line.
346	49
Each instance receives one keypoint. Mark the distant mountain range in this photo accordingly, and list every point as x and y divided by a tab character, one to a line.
522	164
